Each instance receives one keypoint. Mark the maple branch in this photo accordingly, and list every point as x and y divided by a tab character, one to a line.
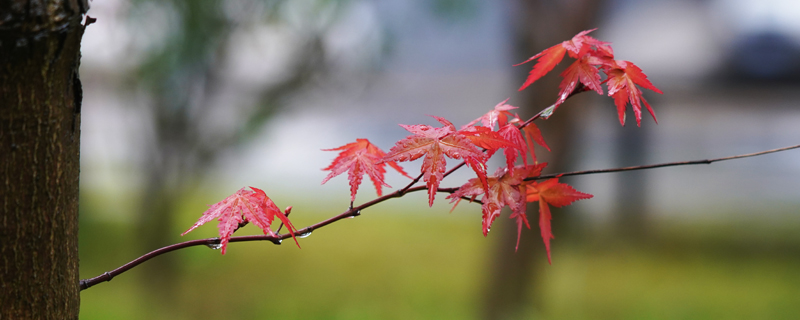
660	165
107	276
276	239
356	211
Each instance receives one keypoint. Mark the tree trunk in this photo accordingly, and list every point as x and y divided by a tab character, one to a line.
40	97
537	25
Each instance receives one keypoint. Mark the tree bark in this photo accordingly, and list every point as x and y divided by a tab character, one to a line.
40	97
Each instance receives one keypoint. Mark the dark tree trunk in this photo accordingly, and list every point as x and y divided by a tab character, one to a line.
40	97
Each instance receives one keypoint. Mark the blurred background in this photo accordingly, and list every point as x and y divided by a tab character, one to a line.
188	101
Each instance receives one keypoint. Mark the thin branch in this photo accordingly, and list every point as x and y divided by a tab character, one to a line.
276	239
660	165
454	169
405	189
578	89
356	211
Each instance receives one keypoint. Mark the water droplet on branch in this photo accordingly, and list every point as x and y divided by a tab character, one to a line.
304	235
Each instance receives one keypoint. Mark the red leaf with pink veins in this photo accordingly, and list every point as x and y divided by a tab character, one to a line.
533	134
579	47
360	158
548	59
435	144
505	188
484	137
244	205
493	117
622	80
580	71
553	193
511	133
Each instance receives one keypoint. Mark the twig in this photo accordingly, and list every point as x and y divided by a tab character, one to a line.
280	226
660	165
578	89
406	188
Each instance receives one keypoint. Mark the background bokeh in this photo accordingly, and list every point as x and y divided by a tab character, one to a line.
188	101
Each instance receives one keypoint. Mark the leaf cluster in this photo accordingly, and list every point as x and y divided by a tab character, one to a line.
499	131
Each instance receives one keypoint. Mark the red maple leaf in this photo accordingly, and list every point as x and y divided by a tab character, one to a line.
507	136
548	59
359	158
533	134
553	193
623	77
243	206
512	133
486	138
435	144
578	47
505	188
583	71
498	115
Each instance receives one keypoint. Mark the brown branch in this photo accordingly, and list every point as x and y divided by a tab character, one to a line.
356	211
276	239
660	165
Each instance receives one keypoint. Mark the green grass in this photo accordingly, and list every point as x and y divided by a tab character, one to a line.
398	263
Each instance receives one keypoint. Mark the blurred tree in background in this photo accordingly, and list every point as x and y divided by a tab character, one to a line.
186	76
538	25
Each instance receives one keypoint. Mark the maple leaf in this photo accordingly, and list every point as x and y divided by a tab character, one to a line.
548	59
508	135
623	77
579	46
360	158
243	206
511	133
486	138
498	114
533	134
551	192
506	187
435	144
583	71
